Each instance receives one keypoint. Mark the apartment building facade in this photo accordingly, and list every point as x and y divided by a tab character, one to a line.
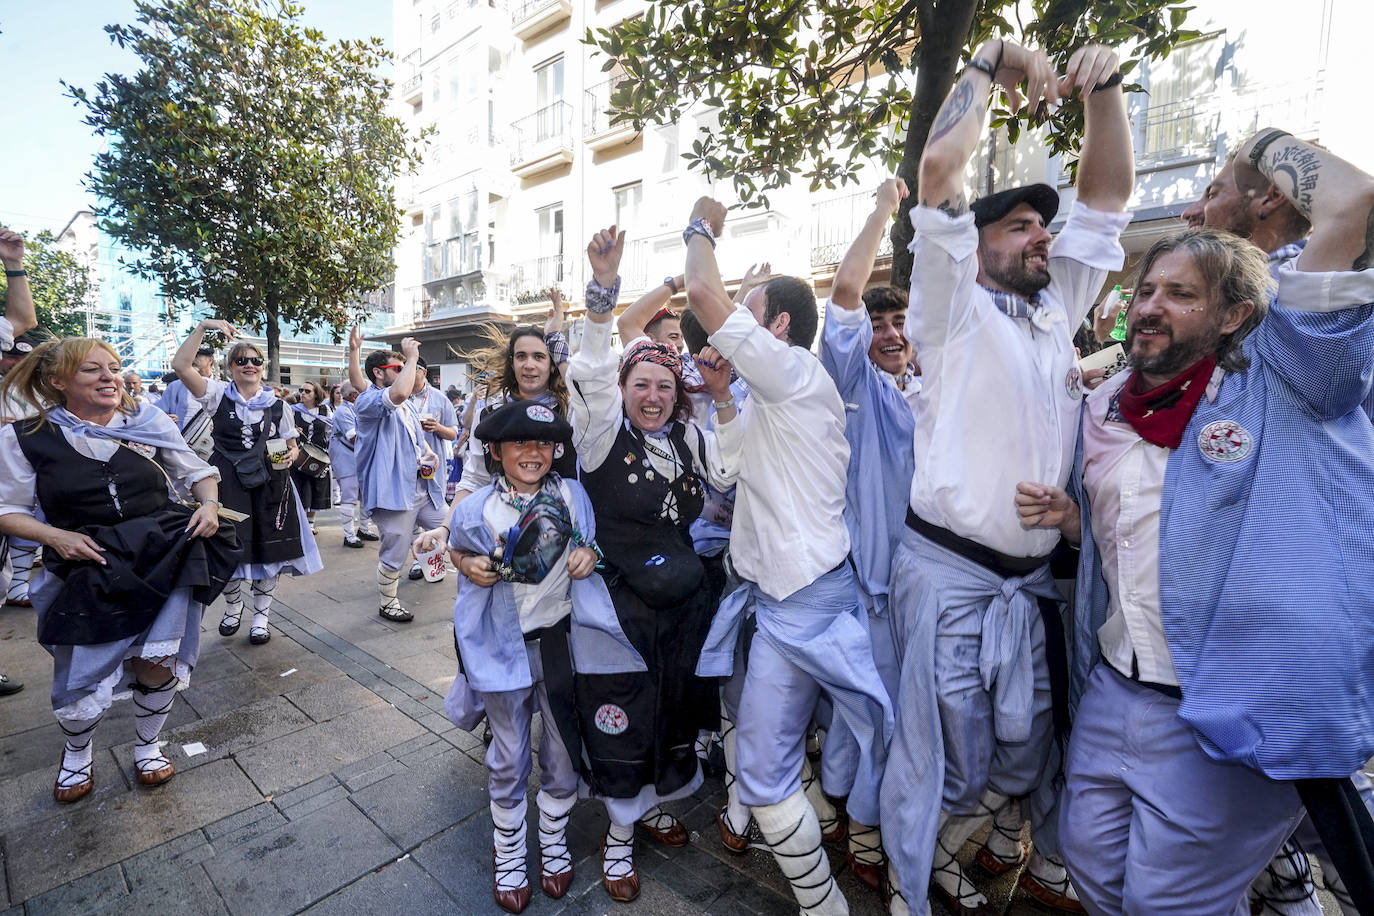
524	165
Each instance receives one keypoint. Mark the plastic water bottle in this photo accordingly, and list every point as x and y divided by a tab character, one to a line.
1119	330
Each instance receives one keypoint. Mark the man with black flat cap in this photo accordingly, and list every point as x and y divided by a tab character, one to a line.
975	614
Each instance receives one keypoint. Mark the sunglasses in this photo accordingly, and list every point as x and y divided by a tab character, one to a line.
249	360
397	366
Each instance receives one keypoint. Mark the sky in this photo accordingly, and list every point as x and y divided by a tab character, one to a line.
45	149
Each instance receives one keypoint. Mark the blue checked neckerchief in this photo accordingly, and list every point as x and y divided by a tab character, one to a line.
1287	252
901	381
1032	309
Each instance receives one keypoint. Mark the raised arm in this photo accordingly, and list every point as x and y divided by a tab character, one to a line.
756	274
1106	167
634	319
603	254
183	361
959	123
355	369
706	295
404	382
18	297
1337	197
852	275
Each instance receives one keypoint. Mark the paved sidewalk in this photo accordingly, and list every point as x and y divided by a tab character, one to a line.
331	783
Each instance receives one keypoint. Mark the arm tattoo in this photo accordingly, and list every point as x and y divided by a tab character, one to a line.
1298	166
953	111
957	206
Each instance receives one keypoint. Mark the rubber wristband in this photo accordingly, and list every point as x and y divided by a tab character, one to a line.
16	273
1257	153
982	66
1109	82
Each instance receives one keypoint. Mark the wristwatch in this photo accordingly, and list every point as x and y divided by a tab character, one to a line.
671	283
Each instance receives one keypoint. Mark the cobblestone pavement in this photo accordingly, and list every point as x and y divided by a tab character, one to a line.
331	783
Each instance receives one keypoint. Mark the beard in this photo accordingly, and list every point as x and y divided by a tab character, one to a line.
1011	273
1177	355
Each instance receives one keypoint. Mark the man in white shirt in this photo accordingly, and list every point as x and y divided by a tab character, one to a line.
789	545
975	614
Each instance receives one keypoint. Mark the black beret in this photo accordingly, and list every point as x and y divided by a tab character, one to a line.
993	207
523	420
25	343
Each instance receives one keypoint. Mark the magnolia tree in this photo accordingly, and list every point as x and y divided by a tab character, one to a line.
817	88
251	163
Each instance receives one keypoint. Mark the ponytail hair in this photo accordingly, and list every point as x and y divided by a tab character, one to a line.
31	379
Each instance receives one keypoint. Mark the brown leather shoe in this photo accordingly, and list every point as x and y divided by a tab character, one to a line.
622	890
513	901
1051	896
996	866
556	886
872	875
734	842
72	792
673	835
840	832
154	777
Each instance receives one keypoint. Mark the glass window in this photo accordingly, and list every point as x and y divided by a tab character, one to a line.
548	83
455	67
671	160
550	230
627	201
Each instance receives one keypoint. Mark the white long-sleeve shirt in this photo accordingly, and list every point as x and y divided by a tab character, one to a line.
788	528
1000	395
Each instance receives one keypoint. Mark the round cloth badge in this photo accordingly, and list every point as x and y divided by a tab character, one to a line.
539	413
611	719
1224	441
1073	383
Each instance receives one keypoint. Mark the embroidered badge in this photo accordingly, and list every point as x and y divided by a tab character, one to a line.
611	719
630	458
539	413
1224	441
1073	383
147	451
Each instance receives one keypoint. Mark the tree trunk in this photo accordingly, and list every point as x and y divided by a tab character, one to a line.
272	331
943	35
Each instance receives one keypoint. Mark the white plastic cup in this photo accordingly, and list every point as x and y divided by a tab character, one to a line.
275	448
432	563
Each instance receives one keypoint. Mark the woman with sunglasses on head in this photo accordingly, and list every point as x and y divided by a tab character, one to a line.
247	414
125	568
314	424
645	465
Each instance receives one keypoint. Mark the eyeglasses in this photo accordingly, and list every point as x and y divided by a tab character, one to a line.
248	360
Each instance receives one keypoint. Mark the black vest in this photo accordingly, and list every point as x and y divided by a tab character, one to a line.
75	491
249	463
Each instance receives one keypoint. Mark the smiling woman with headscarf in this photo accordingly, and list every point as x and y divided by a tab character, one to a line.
246	415
645	466
126	568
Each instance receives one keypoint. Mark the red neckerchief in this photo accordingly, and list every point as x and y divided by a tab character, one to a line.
1159	415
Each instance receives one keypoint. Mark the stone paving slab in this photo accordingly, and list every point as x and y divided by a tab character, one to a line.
419	802
404	886
301	862
291	760
102	831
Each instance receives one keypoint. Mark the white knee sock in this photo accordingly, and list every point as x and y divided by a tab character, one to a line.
1004	842
953	833
866	843
263	590
387	582
811	786
233	602
794	835
508	840
76	756
348	519
736	812
618	859
21	561
151	706
554	858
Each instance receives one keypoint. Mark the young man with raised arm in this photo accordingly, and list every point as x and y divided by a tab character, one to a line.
397	471
1222	621
789	545
976	617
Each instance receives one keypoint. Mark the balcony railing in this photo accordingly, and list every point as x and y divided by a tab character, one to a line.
542	133
413	87
530	280
596	115
834	225
524	9
452	258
